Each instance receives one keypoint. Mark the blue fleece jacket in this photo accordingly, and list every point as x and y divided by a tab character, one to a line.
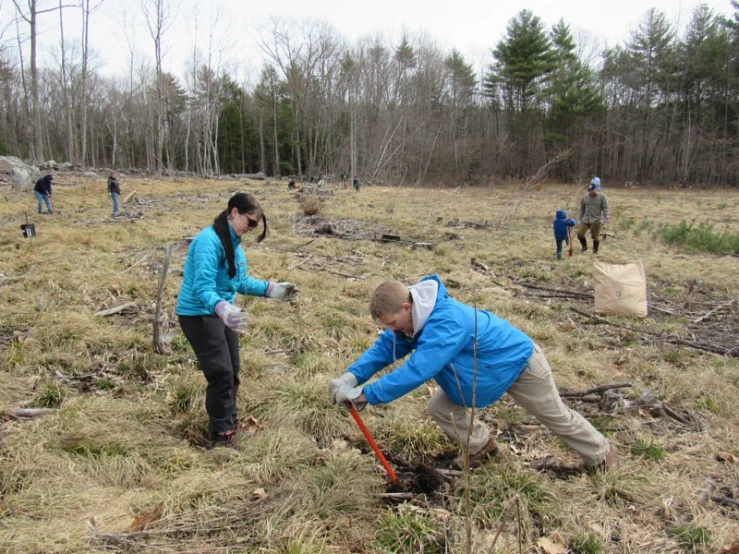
206	281
561	224
444	347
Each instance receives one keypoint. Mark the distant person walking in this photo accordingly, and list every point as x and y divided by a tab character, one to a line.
593	214
115	190
355	183
215	270
561	233
42	190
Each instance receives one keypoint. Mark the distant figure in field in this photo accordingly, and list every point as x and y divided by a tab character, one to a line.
114	189
42	190
355	183
344	176
291	184
596	182
560	224
593	214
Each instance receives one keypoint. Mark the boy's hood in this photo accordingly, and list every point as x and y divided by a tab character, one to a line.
424	296
561	214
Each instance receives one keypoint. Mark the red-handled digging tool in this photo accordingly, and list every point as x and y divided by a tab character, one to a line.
373	444
569	235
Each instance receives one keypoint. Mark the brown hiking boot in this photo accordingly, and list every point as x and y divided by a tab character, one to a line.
490	450
609	462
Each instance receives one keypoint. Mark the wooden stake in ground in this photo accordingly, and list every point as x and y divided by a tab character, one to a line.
128	197
158	345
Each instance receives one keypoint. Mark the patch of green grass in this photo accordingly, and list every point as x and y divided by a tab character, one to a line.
702	238
90	448
690	536
647	448
50	394
412	438
406	531
709	404
496	488
602	424
587	543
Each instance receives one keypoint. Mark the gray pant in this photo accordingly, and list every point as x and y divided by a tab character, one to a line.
217	349
535	392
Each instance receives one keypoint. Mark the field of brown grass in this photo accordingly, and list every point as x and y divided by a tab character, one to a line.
125	429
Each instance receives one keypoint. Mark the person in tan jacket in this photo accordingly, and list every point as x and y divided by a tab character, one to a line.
593	214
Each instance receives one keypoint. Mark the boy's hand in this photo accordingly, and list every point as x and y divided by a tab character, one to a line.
335	384
347	396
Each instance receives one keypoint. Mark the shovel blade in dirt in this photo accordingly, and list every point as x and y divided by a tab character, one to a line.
128	197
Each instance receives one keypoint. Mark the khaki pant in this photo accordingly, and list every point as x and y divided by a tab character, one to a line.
594	227
535	392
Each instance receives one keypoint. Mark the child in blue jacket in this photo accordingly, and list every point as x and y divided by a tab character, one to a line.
560	230
474	356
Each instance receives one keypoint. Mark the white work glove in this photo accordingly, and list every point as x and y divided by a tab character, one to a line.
604	220
346	396
335	384
232	316
282	291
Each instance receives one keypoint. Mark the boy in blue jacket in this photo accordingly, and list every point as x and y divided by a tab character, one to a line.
439	334
560	230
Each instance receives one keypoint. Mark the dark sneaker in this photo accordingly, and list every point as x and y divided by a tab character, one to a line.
490	450
225	440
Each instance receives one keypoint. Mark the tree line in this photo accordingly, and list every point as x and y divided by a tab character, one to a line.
662	107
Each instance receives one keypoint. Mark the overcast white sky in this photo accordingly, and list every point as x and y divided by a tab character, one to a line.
471	26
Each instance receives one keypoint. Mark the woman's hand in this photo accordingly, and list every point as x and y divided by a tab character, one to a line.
282	291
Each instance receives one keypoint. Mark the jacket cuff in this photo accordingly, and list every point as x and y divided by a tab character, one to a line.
270	287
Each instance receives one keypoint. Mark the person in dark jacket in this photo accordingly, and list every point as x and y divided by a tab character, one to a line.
474	356
115	190
355	183
215	270
42	190
560	224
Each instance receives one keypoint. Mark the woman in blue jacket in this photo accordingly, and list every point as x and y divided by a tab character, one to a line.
474	356
215	270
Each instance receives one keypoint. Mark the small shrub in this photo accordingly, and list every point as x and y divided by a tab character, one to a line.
310	206
646	448
587	544
703	238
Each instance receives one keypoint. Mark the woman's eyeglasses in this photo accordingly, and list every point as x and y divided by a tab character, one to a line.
251	223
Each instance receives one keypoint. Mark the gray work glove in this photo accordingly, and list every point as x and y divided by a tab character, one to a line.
347	396
232	316
335	384
282	291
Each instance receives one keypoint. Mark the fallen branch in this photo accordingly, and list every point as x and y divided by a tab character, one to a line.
29	413
116	310
560	291
674	415
596	390
129	268
726	501
396	495
706	347
703	318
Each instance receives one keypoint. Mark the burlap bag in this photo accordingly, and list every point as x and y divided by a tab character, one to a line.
620	289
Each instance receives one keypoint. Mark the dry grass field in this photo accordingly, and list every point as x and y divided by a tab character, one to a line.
117	462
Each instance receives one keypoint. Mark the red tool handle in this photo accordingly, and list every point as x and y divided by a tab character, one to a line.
373	444
569	234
